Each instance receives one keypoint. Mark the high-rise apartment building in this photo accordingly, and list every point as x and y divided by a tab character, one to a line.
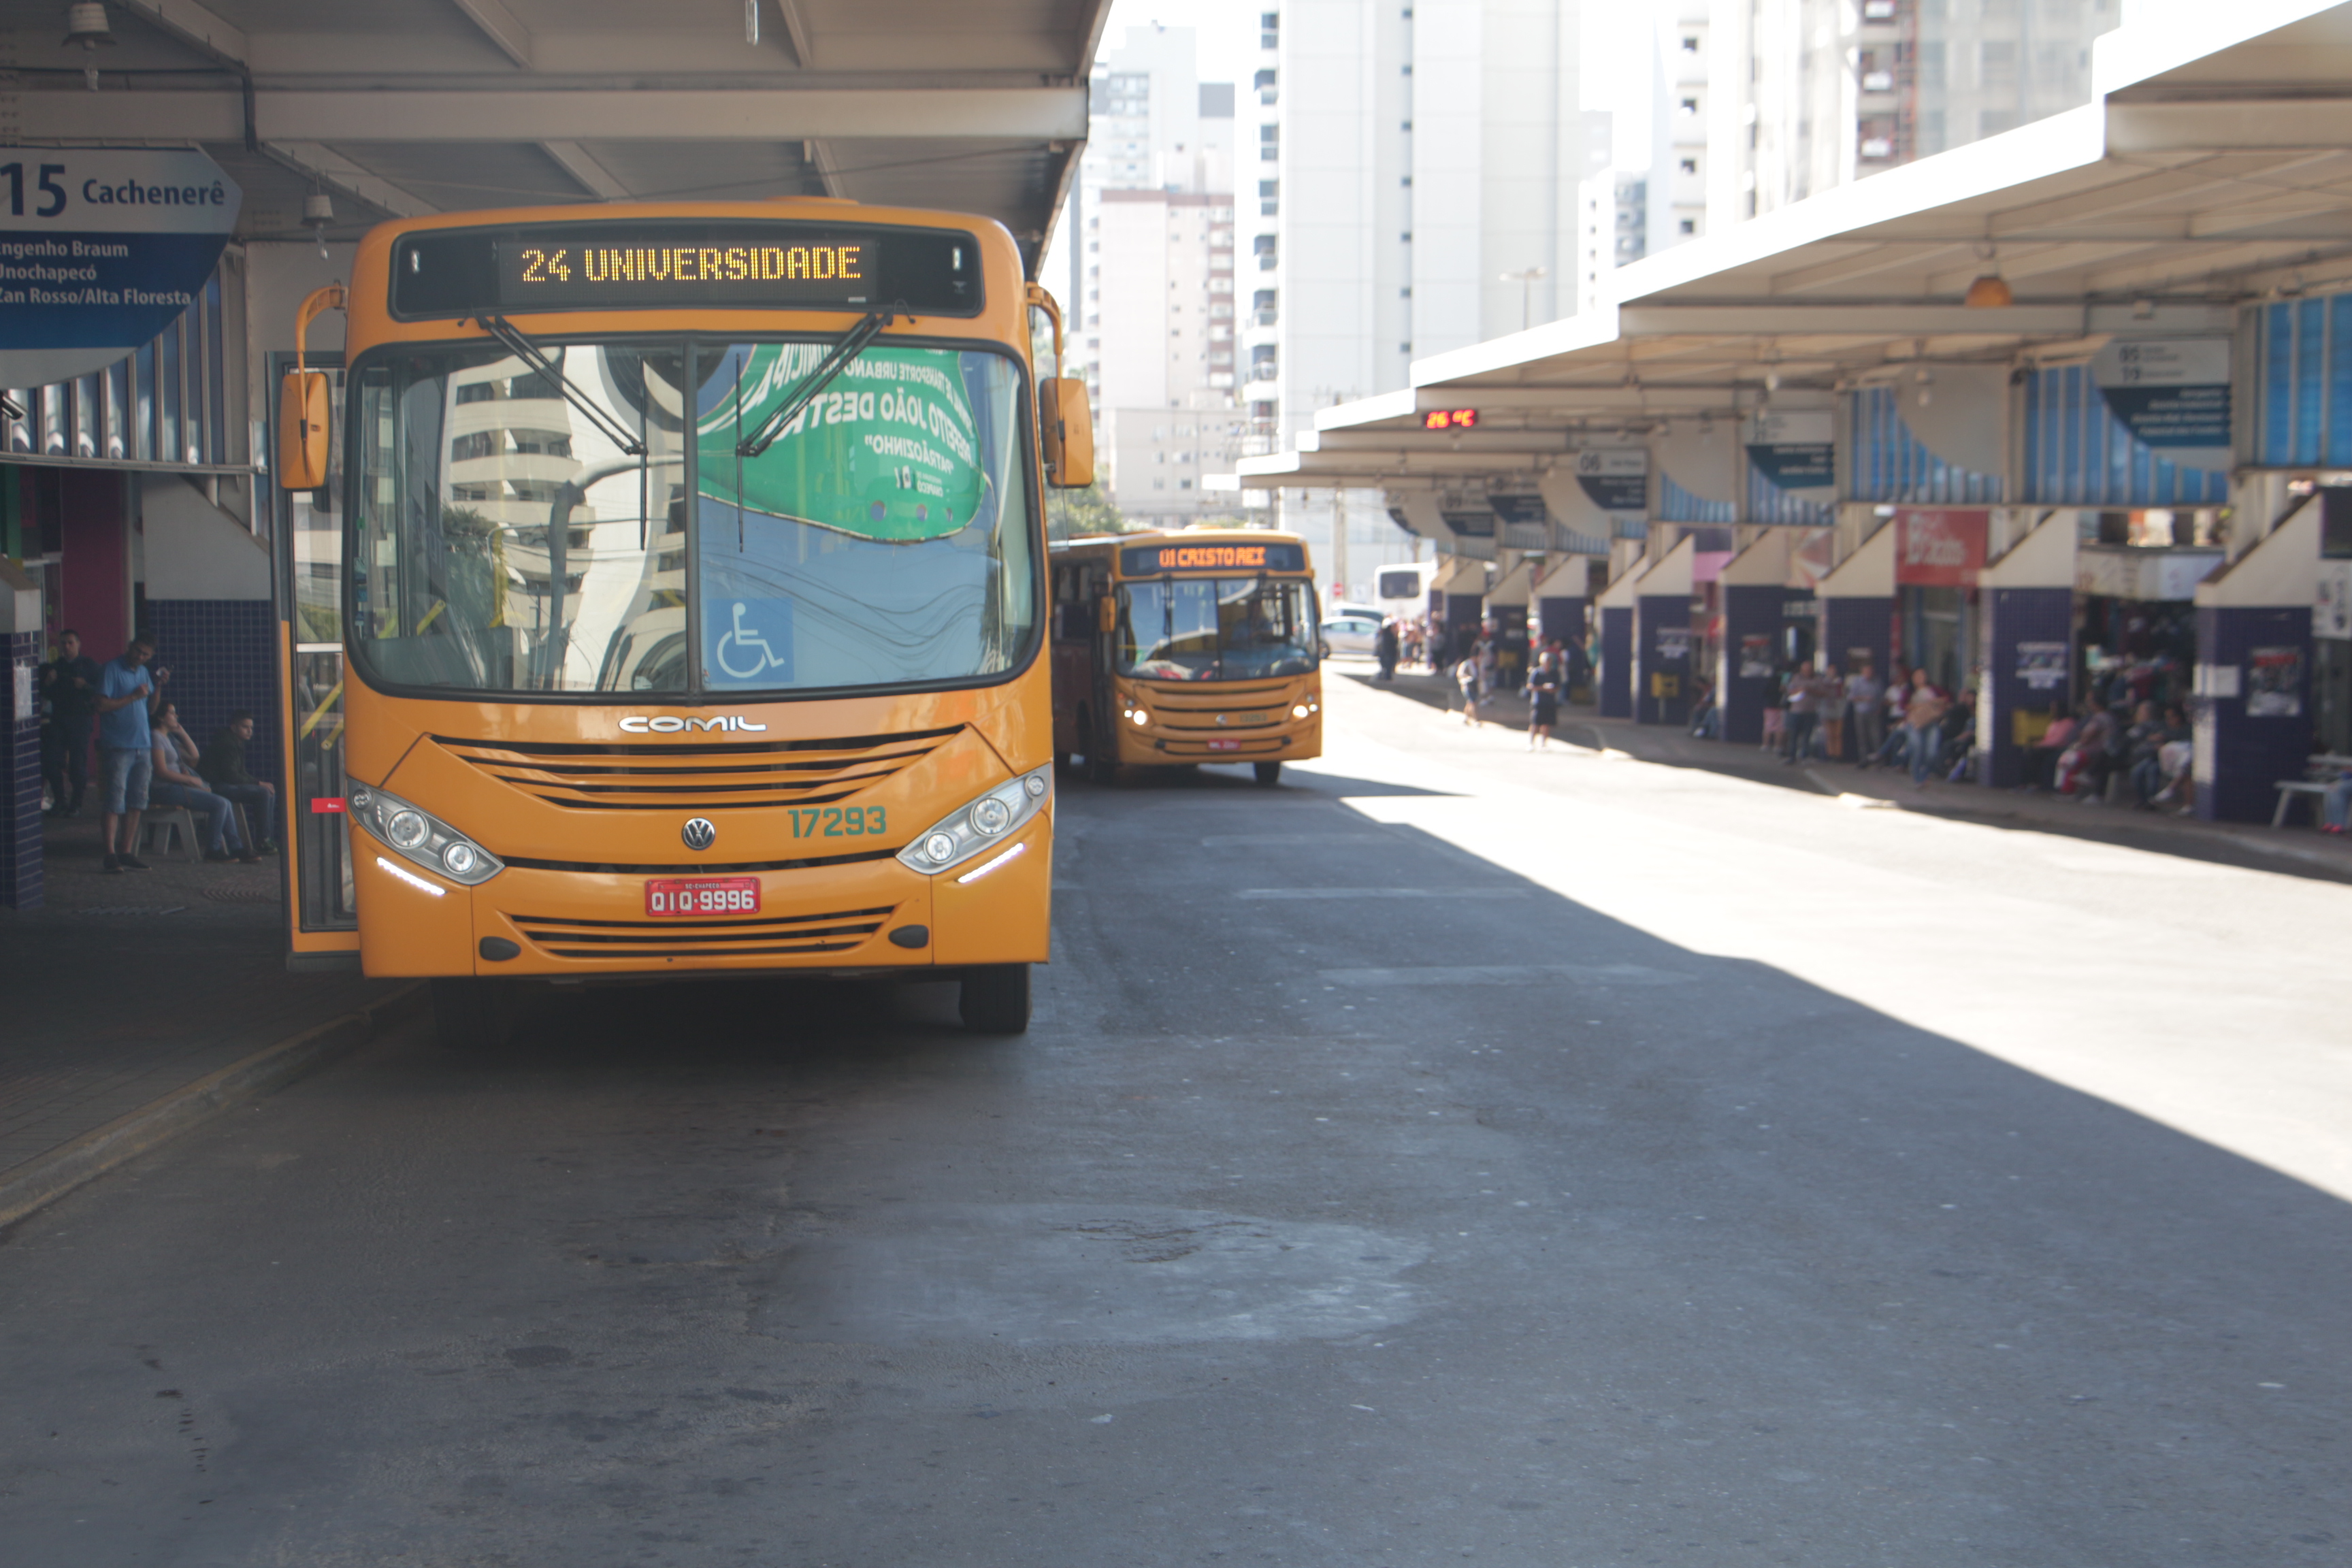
1756	104
1148	245
1417	168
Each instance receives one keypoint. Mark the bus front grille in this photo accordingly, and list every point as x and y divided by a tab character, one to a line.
753	937
696	773
1215	710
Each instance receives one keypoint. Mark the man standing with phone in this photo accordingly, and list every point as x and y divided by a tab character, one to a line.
126	695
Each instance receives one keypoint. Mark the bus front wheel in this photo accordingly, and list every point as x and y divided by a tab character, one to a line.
1267	773
995	999
470	1014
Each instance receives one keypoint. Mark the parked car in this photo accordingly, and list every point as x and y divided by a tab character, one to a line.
1350	634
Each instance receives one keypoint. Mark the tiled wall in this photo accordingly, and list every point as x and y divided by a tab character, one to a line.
1657	615
2020	616
20	783
219	653
1749	609
2242	755
1617	661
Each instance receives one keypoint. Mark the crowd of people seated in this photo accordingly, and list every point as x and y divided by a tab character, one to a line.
2083	751
146	757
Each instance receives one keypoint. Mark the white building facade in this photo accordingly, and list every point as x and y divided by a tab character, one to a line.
1149	273
1417	170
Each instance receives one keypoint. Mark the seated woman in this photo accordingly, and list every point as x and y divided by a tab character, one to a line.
2083	766
2041	756
2149	737
2335	805
1960	737
177	783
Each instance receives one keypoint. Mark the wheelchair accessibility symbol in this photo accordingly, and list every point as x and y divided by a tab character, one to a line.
743	653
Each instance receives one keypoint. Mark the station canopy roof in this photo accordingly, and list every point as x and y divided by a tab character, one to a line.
2212	166
400	108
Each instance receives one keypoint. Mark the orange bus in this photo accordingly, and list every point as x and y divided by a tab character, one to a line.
1186	647
665	599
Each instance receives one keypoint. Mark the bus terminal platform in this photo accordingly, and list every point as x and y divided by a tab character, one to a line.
144	999
2295	850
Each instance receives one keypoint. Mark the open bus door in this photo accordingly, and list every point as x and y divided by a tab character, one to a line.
322	919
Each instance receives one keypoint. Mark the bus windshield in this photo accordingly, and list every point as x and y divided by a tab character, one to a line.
502	541
1216	628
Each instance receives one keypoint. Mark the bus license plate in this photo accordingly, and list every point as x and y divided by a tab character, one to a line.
1225	745
703	896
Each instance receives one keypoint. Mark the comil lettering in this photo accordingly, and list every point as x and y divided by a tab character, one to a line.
670	724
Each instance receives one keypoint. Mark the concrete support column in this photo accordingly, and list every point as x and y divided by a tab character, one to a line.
1755	595
2254	704
1562	619
1662	679
1749	610
20	741
1664	671
2027	606
1616	661
2252	728
2013	685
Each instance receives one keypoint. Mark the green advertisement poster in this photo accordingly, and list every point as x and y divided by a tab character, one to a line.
888	451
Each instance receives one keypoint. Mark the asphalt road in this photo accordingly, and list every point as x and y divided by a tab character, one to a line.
1453	1154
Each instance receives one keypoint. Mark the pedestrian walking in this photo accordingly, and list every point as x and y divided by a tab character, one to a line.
1543	703
1833	698
1466	675
1864	696
1922	718
1385	649
1802	706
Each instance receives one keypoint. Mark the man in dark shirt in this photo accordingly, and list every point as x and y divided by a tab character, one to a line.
223	767
69	682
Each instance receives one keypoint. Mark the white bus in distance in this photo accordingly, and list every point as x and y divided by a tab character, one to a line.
1403	589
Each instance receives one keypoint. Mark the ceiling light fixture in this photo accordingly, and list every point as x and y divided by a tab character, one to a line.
1990	292
318	212
750	21
86	25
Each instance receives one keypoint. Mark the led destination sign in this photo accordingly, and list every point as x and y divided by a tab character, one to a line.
1150	559
830	271
753	266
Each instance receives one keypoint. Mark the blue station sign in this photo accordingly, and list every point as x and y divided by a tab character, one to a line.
100	248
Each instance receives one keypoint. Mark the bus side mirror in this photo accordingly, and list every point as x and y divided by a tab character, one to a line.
1066	427
303	423
1106	614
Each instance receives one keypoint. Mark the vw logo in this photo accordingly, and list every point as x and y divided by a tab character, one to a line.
699	834
1221	718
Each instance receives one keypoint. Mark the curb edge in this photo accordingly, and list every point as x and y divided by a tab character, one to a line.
48	1177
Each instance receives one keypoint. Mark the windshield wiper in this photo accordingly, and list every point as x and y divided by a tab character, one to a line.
853	343
511	338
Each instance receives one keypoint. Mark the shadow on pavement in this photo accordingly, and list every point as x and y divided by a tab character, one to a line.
1474	1207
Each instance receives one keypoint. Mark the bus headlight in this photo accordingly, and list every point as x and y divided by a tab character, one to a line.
1139	716
1298	711
979	824
417	835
